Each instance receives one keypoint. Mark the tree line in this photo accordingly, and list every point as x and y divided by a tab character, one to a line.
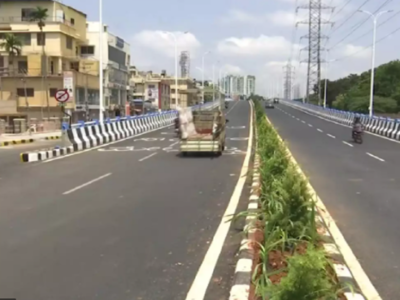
352	93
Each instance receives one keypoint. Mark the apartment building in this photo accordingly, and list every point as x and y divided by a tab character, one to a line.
239	85
249	85
188	93
151	88
47	59
116	61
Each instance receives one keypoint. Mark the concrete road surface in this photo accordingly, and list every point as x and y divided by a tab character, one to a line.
359	184
116	224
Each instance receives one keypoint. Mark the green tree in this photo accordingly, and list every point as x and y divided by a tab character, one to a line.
40	15
12	45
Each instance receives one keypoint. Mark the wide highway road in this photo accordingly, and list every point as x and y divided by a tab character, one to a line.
131	220
359	184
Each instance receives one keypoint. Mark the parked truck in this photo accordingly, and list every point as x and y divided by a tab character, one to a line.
210	132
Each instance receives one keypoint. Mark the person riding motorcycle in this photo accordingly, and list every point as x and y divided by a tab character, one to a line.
357	126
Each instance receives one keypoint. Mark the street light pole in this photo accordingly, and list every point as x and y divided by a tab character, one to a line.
202	67
375	21
101	88
176	65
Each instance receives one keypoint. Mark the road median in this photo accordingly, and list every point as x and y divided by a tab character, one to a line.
291	249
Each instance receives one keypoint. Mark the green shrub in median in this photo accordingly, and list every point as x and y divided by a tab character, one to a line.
290	265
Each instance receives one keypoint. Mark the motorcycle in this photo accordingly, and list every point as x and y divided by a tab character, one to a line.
358	137
177	127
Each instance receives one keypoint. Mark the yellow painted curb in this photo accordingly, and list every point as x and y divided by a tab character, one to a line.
16	142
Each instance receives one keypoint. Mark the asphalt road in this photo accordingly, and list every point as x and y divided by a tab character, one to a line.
359	184
116	224
10	155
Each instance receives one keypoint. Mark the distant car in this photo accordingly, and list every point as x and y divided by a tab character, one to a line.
276	100
269	104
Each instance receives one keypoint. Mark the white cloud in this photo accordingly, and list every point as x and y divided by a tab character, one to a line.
232	69
163	42
283	18
238	16
273	46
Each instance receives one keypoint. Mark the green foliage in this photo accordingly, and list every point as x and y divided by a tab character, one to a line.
12	44
307	279
288	217
352	92
39	15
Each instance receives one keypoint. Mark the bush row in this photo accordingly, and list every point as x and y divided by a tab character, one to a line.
292	264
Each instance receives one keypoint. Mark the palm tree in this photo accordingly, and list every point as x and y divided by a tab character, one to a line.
12	44
40	15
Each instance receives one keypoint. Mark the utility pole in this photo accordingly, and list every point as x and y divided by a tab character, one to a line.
314	37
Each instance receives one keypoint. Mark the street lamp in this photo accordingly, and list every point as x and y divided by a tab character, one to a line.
101	88
202	67
375	21
176	64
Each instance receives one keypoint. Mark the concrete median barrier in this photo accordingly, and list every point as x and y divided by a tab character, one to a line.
84	136
386	127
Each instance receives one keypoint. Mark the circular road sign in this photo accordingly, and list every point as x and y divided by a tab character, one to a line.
62	95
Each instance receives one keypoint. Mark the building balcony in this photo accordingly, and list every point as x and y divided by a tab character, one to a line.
19	24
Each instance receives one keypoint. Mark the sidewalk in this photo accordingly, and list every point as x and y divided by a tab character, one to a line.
15	139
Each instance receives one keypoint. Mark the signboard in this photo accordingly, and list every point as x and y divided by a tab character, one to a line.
152	94
62	96
120	43
69	83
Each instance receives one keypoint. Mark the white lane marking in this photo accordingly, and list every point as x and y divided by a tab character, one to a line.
104	145
86	184
319	130
232	107
330	135
346	143
303	122
200	284
297	119
173	144
334	122
376	157
148	156
309	125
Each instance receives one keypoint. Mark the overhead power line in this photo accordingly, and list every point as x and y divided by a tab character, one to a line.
360	24
365	48
348	18
379	25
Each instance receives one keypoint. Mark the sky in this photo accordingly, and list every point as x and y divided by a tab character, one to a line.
249	37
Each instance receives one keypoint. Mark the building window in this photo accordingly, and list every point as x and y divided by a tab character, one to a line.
29	92
52	92
87	50
26	14
69	42
41	38
22	67
25	38
72	21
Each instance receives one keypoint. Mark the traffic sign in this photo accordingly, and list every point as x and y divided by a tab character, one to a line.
62	95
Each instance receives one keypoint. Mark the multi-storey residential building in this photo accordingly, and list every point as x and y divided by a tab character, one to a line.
250	85
151	88
116	61
48	60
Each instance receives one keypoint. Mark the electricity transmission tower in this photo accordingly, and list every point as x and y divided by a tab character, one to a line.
288	71
314	48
